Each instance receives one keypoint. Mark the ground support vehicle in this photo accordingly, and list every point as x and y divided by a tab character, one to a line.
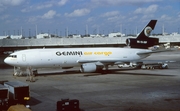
154	66
4	96
18	92
130	65
68	105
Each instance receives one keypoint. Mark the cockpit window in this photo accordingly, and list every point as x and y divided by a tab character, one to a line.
13	56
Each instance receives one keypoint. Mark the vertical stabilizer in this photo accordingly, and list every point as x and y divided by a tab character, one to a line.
147	30
143	40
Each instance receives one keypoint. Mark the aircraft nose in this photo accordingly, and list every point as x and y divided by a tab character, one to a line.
6	60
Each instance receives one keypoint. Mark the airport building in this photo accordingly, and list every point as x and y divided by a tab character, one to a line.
116	34
4	37
44	35
15	42
16	36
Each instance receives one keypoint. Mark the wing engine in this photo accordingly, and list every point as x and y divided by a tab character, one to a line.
90	67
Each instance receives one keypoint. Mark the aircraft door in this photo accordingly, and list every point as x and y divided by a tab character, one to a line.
23	57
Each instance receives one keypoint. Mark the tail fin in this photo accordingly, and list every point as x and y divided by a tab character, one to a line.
143	40
147	30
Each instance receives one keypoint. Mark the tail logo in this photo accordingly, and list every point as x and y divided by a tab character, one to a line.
147	31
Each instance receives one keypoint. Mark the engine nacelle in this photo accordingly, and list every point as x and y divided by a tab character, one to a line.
88	67
142	43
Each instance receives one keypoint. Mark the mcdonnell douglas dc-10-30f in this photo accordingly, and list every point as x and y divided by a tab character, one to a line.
88	59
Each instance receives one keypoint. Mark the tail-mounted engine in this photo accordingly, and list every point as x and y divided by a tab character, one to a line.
142	43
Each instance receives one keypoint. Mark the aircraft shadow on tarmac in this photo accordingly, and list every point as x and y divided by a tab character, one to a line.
78	72
111	71
141	74
118	72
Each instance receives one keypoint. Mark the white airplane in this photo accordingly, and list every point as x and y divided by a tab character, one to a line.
88	59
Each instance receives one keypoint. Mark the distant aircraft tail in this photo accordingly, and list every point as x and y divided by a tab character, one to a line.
143	40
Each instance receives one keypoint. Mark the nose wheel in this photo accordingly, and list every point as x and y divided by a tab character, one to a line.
17	71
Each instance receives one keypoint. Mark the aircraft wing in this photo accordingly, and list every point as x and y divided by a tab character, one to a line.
102	62
99	60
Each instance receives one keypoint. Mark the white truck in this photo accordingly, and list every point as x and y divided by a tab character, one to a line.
130	65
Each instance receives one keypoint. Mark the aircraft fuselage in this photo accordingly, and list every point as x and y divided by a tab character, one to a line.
69	57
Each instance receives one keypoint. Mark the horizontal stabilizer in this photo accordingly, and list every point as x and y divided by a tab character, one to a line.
156	51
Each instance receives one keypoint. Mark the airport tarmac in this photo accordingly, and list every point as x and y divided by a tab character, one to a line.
124	90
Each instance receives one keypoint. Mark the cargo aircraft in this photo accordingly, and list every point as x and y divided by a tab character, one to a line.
96	59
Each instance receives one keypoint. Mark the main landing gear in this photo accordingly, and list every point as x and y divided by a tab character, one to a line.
30	75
